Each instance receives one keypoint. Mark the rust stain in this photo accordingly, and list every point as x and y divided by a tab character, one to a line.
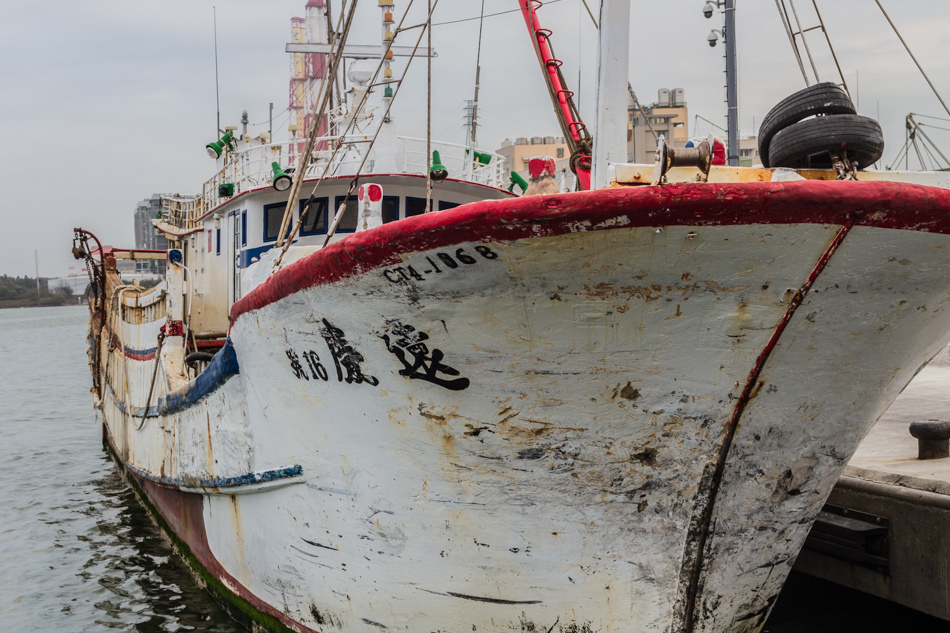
712	286
645	293
475	431
507	417
629	393
210	450
602	290
435	417
757	389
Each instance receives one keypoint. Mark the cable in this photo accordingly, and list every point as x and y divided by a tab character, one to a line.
490	15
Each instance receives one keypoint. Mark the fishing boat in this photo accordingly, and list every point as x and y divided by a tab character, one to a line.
400	396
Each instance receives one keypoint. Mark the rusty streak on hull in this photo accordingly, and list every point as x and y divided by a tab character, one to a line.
620	410
697	538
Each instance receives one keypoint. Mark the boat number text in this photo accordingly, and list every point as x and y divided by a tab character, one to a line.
437	262
345	359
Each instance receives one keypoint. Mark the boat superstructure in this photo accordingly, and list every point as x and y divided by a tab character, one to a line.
614	409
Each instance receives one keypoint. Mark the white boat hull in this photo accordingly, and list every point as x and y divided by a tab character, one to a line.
623	418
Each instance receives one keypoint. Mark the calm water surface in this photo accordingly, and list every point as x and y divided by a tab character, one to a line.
77	552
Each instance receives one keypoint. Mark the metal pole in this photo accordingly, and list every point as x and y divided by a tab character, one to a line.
217	98
732	97
610	141
36	262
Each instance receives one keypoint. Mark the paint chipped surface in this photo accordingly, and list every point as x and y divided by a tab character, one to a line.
556	489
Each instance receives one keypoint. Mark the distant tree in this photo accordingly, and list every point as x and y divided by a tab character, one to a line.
66	291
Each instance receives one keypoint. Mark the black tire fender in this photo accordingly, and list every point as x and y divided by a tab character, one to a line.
808	143
820	99
198	357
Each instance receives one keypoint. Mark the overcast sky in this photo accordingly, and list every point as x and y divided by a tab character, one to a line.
105	102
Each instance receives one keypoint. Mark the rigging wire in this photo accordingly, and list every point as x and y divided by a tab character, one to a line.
323	98
907	48
488	15
399	84
591	14
636	102
478	72
359	107
929	116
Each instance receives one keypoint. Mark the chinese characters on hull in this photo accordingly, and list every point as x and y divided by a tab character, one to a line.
408	345
403	341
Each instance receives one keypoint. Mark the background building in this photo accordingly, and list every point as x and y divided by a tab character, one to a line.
518	153
668	117
749	151
145	235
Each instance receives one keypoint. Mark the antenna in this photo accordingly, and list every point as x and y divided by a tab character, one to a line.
478	72
217	98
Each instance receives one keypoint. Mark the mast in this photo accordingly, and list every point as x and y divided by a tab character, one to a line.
610	138
732	97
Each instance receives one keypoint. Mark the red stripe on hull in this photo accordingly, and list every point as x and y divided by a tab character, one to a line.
878	204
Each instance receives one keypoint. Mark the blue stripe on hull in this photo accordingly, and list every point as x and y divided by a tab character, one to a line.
224	484
222	367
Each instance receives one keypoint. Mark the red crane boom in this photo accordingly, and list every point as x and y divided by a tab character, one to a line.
574	130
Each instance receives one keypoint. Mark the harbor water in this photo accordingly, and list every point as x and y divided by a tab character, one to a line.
78	553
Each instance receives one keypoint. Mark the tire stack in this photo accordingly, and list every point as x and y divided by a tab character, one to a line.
802	130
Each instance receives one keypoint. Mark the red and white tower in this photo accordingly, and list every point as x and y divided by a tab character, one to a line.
307	73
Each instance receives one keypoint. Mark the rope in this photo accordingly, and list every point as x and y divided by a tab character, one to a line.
323	97
399	85
158	360
580	157
349	127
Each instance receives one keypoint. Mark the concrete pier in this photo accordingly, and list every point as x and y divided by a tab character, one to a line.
886	528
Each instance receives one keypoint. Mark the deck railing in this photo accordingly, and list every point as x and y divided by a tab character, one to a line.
250	166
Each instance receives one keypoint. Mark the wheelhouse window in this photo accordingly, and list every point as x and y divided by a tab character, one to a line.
273	215
415	206
315	220
445	205
350	215
390	209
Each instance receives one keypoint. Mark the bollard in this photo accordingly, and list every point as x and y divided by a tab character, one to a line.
933	438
